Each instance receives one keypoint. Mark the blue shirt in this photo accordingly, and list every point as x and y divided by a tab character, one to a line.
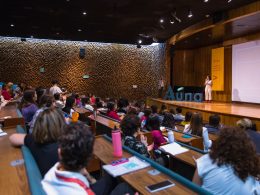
222	180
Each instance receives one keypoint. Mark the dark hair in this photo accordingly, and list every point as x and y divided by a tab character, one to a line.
98	103
196	124
214	120
39	91
209	76
54	82
28	98
188	116
46	101
172	111
132	110
110	106
178	110
154	123
121	103
70	101
76	146
147	112
233	147
168	120
163	108
130	124
154	109
84	101
57	96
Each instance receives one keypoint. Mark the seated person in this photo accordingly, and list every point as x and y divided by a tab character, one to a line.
214	124
86	103
187	119
58	103
144	118
231	167
99	103
196	128
121	108
69	176
43	141
246	124
28	105
130	127
168	121
163	109
111	111
55	88
70	103
6	93
178	116
158	138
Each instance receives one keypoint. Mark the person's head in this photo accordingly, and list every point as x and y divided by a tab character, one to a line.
168	120
245	123
172	111
163	109
29	96
46	101
120	103
130	125
76	95
57	96
233	147
178	110
70	102
132	110
75	147
214	120
147	112
154	123
85	101
110	106
39	91
196	124
154	109
208	77
188	116
48	126
54	82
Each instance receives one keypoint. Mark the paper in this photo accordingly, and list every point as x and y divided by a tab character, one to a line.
133	164
173	149
2	133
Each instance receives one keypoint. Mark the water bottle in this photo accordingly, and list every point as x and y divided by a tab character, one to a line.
117	143
170	136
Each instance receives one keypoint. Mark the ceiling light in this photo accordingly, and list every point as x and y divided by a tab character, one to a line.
12	25
190	14
140	41
84	13
79	30
161	21
229	1
207	15
172	21
206	1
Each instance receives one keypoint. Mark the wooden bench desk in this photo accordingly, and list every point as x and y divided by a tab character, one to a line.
9	116
138	179
13	180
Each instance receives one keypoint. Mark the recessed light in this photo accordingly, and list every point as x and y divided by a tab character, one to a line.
140	41
190	14
161	20
12	25
207	15
84	13
57	33
206	1
229	1
79	30
172	21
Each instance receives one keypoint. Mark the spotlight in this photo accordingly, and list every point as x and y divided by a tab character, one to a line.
172	21
190	14
140	41
84	13
12	25
161	20
79	30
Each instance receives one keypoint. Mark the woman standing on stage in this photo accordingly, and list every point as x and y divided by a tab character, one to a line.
208	88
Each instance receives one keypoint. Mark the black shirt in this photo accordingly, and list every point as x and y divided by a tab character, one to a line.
45	155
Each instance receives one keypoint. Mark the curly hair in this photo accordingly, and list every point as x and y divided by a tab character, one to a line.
130	124
234	147
76	146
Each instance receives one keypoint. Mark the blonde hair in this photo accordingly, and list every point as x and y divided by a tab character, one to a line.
48	126
245	123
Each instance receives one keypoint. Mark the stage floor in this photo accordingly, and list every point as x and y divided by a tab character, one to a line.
235	109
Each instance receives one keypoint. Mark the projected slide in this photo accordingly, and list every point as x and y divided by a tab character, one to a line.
246	72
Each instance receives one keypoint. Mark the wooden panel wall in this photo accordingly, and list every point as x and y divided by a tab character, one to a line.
113	68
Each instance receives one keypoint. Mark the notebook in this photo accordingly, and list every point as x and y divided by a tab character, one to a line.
173	148
133	164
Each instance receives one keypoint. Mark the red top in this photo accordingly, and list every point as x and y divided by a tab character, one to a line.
6	95
113	114
158	139
92	100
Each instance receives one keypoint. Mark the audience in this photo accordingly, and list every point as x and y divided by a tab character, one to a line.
58	103
168	121
178	116
231	167
28	105
70	176
121	107
163	109
55	88
214	124
158	138
86	103
130	127
70	103
6	93
246	124
187	119
111	111
144	118
196	128
43	140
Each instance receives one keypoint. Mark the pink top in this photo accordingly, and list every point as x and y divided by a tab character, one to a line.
158	139
113	114
6	95
143	118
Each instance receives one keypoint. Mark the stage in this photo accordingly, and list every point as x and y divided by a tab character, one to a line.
229	112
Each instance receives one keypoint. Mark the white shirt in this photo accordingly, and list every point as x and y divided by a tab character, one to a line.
52	185
206	141
55	89
89	107
208	82
222	180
